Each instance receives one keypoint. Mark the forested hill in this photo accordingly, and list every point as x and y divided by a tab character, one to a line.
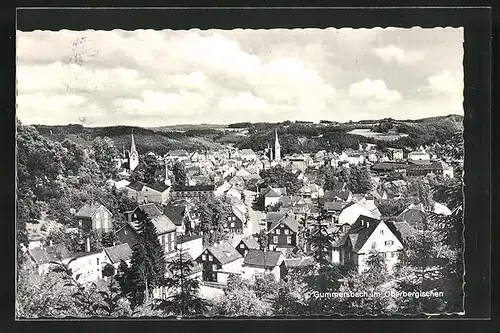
295	137
145	139
307	137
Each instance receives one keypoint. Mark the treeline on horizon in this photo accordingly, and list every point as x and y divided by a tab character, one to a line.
295	137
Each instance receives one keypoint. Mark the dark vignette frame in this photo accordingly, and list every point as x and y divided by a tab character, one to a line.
477	124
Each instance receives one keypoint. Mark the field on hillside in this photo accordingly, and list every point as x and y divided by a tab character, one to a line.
377	136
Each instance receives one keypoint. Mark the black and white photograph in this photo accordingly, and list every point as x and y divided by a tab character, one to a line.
264	173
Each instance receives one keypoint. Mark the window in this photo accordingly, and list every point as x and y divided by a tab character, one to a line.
381	232
242	246
289	240
214	267
232	224
210	258
286	231
98	221
275	239
277	231
97	261
203	257
389	243
281	225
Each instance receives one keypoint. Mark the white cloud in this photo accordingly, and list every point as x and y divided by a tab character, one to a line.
39	108
162	104
447	82
242	102
393	53
198	76
59	77
373	90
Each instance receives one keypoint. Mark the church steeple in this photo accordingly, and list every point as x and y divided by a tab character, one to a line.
133	159
277	148
132	146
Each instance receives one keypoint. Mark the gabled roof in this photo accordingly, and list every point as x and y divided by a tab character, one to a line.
158	186
163	224
334	205
367	205
310	188
252	176
224	252
250	242
289	221
119	252
137	186
46	254
239	214
175	213
247	151
275	192
275	216
359	233
412	216
402	230
206	188
290	201
150	210
332	194
178	152
262	259
298	262
89	210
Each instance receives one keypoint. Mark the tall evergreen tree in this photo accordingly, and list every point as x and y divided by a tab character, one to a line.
373	283
148	264
183	299
179	172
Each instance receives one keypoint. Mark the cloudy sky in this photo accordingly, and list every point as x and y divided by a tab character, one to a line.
154	78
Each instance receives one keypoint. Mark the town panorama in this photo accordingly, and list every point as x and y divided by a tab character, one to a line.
251	217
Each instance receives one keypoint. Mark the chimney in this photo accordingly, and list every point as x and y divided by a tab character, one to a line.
87	245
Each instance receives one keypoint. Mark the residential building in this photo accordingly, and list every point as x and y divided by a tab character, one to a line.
114	255
248	154
142	192
94	217
419	155
272	195
179	214
283	234
367	234
353	210
219	261
235	221
191	244
258	263
312	191
246	244
87	266
149	213
39	259
289	264
395	154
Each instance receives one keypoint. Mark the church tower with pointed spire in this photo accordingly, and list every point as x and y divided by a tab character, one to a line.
277	149
133	157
